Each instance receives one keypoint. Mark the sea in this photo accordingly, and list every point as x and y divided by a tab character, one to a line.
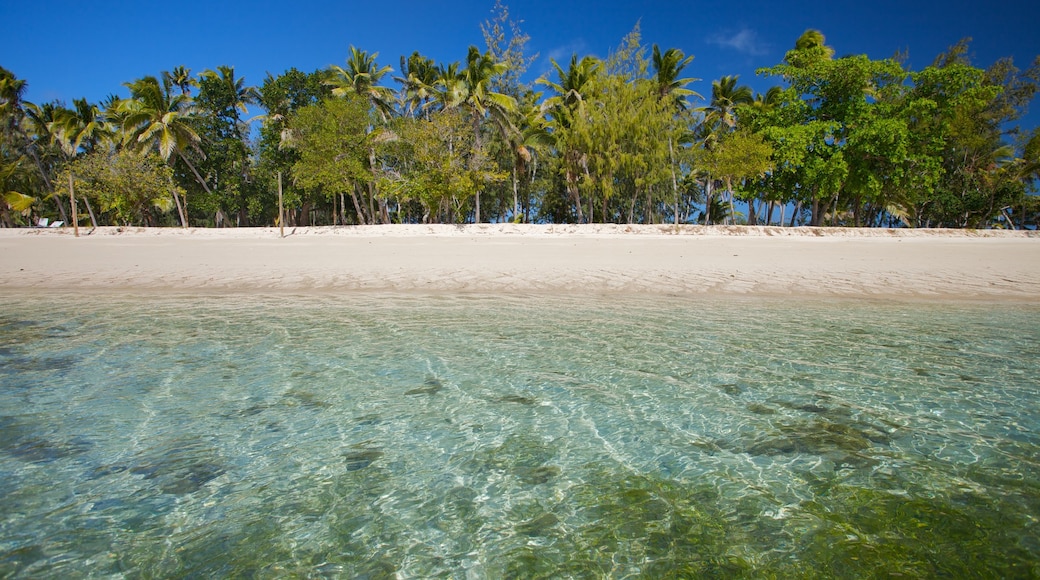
525	436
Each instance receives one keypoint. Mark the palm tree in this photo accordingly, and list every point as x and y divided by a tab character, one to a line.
241	95
569	103
809	48
417	84
471	89
667	68
726	96
43	145
155	118
82	127
672	89
181	78
15	114
531	138
361	77
720	118
571	90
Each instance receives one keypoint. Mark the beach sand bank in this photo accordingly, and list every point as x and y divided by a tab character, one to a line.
510	258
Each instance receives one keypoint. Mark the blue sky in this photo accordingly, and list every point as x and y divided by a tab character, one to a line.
69	49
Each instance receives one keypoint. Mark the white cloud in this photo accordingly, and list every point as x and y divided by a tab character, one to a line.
744	40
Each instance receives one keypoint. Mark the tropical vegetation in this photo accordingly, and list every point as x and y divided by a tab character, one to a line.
847	141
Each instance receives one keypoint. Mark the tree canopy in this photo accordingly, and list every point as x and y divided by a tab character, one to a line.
625	138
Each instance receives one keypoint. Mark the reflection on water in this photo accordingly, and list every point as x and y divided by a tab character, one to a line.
439	436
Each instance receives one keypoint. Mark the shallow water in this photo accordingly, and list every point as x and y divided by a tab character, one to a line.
437	436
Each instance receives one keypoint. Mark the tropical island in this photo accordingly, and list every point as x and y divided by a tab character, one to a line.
838	141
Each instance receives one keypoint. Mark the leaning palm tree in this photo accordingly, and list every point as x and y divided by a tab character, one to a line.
154	118
83	127
361	76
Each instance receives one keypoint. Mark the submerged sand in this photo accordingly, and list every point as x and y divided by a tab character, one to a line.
509	258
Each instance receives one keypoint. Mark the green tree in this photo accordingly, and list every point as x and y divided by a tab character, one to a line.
154	118
471	89
222	100
282	96
333	144
135	188
361	77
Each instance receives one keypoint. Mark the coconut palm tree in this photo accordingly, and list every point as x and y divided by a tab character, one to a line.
672	90
361	76
563	108
155	118
81	128
571	88
181	78
417	83
470	89
668	65
726	96
241	95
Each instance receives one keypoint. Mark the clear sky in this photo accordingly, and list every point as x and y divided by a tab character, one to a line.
74	48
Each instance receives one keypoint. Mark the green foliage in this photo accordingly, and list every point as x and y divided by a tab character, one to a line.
331	140
441	169
855	141
136	189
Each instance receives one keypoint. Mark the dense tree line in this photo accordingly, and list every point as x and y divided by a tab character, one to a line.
839	141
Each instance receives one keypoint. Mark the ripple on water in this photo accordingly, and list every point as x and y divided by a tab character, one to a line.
440	436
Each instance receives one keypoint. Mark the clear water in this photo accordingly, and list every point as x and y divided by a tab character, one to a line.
482	437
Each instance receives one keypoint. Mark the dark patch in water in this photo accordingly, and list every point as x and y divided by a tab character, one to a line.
430	386
41	364
371	419
516	399
760	409
538	526
181	468
362	458
843	443
732	389
538	475
37	450
306	399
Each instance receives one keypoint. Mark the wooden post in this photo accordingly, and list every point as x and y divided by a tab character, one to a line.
75	215
281	212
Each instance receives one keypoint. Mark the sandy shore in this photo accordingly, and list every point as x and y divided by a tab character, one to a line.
990	265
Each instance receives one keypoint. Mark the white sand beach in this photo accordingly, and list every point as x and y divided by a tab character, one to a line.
507	258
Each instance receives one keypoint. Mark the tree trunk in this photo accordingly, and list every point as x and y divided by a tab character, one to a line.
72	198
675	183
90	211
357	205
195	172
177	202
732	210
516	195
707	200
794	214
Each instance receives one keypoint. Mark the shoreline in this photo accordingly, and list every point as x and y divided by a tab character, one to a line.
987	265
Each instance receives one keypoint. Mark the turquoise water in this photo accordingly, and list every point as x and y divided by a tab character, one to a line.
478	437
